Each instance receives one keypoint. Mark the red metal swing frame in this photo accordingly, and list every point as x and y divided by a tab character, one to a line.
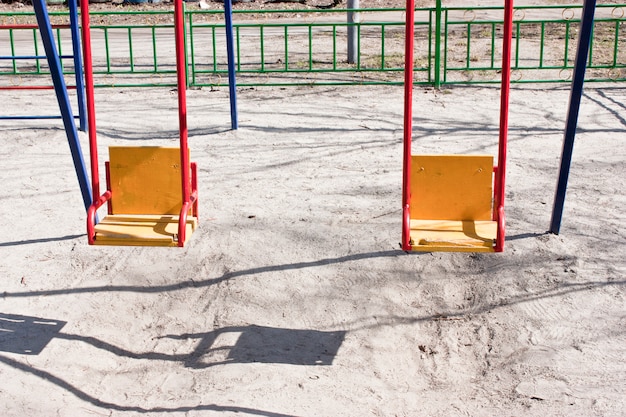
499	170
188	169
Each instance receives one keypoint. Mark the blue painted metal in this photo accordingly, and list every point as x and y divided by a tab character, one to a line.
230	47
580	66
78	65
60	88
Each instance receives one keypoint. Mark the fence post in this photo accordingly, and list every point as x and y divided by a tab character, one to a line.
438	45
353	18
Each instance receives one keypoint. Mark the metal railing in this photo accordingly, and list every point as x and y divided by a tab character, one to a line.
544	44
309	47
293	52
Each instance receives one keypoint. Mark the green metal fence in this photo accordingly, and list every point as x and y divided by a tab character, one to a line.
544	44
309	47
308	50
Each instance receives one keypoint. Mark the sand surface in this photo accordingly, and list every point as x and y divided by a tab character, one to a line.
293	298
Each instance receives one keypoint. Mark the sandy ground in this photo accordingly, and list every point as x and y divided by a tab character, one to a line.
293	298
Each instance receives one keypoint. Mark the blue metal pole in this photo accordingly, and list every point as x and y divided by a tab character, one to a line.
584	42
232	82
78	65
60	88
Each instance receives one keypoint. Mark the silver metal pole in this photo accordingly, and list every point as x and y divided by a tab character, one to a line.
353	19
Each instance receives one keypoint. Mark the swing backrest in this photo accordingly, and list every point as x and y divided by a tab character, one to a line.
145	180
451	187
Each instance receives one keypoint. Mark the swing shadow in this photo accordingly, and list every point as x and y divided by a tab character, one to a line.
42	240
521	236
28	335
262	344
238	344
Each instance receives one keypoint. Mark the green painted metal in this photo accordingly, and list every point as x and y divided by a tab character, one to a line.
262	40
335	47
358	62
286	48
12	42
191	50
453	45
36	47
154	50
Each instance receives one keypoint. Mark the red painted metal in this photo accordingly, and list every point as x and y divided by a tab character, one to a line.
91	215
89	96
408	123
191	204
98	200
182	96
179	34
194	188
188	171
500	169
499	182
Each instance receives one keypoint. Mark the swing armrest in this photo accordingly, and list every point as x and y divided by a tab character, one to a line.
91	215
406	229
191	204
499	247
182	218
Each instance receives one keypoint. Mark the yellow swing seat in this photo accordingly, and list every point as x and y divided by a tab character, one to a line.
141	230
145	188
451	203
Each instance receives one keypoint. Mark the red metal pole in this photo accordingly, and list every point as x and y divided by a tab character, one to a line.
408	123
89	96
182	97
179	32
499	185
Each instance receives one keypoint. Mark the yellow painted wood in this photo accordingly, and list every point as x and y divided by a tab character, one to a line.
145	180
453	236
141	230
451	187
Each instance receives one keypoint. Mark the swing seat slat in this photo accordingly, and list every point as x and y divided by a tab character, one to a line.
138	230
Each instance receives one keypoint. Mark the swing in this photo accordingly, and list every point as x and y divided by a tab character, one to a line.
152	192
454	203
144	199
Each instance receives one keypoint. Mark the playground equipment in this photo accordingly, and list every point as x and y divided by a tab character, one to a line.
230	52
584	42
152	193
52	55
45	30
454	203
